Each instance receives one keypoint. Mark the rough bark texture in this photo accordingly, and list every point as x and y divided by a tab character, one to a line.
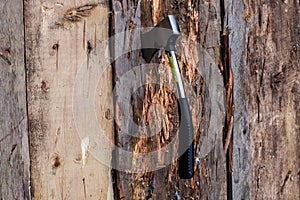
61	45
201	22
264	44
14	151
246	51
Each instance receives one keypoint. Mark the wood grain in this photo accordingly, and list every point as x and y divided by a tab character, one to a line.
265	62
198	56
57	111
14	150
61	45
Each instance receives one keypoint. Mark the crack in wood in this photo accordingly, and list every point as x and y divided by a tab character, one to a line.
84	187
225	54
56	47
287	177
5	59
14	146
84	34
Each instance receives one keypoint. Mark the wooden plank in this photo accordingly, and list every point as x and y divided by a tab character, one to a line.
265	61
206	100
241	151
63	47
14	150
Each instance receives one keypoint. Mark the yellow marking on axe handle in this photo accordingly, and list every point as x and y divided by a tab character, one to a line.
173	69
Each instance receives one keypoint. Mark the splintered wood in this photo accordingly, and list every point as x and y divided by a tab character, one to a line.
240	64
153	104
63	48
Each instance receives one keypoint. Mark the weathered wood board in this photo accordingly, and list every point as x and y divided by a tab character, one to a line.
57	110
14	151
62	41
265	57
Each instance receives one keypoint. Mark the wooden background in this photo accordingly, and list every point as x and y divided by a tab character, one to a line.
240	62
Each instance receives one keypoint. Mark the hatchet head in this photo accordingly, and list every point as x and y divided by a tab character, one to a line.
162	36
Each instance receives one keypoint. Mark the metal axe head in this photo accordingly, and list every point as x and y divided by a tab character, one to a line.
162	36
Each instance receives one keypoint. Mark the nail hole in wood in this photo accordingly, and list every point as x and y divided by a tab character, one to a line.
89	47
55	46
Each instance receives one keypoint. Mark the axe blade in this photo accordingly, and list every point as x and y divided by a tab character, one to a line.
162	36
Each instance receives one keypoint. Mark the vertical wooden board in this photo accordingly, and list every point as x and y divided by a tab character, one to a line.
14	151
124	13
265	58
241	143
201	22
64	47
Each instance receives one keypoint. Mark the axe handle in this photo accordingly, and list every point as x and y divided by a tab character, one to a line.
186	140
186	130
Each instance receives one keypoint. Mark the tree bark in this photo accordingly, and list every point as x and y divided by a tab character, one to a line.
264	44
59	72
201	23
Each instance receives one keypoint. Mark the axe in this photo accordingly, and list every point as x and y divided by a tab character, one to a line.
164	36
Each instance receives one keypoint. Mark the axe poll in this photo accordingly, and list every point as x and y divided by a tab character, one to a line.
164	36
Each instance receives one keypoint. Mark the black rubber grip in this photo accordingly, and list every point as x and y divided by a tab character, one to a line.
186	141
